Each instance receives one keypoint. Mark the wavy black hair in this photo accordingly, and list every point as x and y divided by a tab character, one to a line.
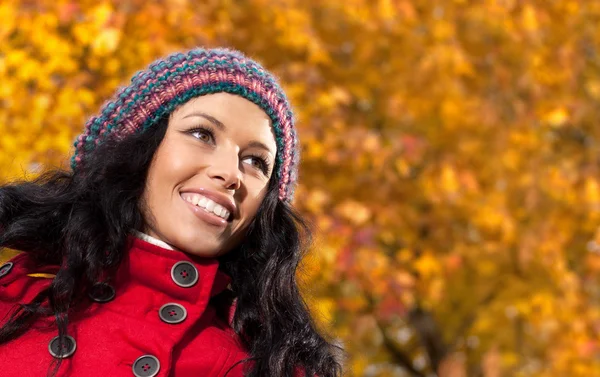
81	222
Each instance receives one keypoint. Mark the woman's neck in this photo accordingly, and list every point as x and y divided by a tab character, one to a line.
152	240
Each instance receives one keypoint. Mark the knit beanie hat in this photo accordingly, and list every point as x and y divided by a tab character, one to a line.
172	81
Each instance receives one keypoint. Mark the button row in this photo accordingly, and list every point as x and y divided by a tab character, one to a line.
184	274
143	366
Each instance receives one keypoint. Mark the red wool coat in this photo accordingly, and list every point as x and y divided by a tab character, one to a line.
156	318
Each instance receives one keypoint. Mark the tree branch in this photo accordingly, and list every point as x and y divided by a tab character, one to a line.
399	356
430	335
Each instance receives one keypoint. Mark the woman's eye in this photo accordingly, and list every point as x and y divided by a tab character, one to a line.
257	163
202	135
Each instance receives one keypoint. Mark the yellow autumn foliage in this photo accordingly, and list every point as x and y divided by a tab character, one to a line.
450	158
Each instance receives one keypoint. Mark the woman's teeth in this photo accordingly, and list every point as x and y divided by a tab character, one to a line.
207	204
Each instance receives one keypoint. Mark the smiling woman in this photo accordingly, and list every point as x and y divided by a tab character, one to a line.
172	241
215	158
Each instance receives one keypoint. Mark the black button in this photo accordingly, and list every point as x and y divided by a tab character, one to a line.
146	366
184	274
172	313
5	269
68	347
101	292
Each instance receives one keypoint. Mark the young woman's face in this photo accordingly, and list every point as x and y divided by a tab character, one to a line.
209	175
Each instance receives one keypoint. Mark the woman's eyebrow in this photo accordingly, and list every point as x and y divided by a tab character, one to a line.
210	118
258	144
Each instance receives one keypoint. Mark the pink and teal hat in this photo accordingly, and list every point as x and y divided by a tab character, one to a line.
172	81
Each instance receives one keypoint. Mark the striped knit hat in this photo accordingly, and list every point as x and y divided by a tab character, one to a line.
170	82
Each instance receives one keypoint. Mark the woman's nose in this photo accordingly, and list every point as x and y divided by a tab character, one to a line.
225	169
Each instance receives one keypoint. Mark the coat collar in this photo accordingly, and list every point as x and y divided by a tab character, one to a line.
150	267
148	238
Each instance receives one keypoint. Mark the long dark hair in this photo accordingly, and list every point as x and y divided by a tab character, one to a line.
81	223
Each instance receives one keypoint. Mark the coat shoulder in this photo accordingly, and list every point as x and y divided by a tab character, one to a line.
21	280
234	359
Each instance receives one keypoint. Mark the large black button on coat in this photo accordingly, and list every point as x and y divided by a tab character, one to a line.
172	313
68	347
101	292
146	366
184	274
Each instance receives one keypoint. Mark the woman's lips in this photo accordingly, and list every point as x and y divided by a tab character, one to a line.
206	203
205	216
217	197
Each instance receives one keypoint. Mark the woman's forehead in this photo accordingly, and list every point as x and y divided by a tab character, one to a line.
230	113
223	104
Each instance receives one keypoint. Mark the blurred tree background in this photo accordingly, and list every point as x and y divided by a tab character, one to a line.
450	158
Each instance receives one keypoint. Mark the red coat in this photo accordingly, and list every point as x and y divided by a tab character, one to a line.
158	316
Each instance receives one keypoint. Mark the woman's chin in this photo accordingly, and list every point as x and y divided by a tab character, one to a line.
199	246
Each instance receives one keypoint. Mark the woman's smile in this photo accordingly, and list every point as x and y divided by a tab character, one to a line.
207	204
206	216
210	207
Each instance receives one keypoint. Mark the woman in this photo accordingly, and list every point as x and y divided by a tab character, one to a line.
171	245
